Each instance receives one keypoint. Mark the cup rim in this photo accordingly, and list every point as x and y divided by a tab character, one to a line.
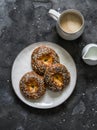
73	11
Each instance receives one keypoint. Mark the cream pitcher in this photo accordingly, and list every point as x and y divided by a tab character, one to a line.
89	54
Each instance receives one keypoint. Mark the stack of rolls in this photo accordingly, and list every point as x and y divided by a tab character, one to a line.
47	73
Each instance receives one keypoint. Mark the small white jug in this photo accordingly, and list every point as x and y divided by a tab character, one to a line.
89	54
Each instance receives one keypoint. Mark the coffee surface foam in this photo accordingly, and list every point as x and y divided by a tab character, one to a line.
70	22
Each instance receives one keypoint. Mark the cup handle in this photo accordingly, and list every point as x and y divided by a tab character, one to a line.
54	14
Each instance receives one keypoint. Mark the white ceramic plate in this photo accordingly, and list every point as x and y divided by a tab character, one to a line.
22	65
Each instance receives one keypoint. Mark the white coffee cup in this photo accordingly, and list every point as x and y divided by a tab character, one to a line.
70	23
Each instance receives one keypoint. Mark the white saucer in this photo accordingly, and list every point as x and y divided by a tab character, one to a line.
22	65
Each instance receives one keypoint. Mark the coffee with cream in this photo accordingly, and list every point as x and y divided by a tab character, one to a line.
70	22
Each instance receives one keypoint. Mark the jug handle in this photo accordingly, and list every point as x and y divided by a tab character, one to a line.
54	14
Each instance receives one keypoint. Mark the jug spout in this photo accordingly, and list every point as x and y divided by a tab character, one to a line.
89	54
90	61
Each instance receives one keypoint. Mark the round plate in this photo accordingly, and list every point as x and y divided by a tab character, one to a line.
22	65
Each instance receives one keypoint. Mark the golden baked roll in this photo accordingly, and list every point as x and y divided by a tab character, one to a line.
42	57
56	77
32	85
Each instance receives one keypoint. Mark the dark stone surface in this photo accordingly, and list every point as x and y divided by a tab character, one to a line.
23	22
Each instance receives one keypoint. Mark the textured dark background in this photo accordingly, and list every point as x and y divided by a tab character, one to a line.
23	22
